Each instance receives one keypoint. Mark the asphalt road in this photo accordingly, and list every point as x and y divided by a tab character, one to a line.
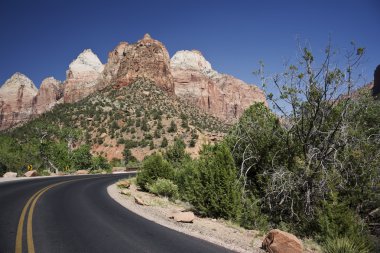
75	214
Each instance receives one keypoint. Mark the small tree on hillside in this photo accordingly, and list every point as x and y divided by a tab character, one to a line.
82	158
312	103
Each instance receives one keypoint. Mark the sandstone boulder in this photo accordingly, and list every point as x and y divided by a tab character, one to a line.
82	77
10	174
123	184
32	173
125	192
49	94
185	217
16	98
139	201
223	96
278	241
81	172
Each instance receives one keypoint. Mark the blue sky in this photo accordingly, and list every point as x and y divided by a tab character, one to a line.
40	38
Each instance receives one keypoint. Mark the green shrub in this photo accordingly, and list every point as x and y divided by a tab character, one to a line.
154	167
344	245
82	159
252	217
176	153
336	220
210	183
173	127
164	142
100	163
164	187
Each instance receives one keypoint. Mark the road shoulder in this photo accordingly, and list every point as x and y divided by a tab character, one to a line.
218	232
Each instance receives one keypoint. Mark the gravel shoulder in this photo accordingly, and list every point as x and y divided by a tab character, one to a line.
159	209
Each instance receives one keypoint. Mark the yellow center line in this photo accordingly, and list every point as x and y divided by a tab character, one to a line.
18	248
32	203
29	229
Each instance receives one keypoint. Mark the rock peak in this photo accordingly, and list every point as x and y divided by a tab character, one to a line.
191	60
18	79
147	37
86	61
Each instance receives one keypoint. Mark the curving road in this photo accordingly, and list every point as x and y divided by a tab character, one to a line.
76	214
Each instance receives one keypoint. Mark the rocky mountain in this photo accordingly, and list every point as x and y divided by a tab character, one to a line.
147	59
82	76
221	95
187	75
16	100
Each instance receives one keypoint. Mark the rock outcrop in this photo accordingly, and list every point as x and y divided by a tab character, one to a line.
221	95
49	94
112	66
82	77
148	59
16	99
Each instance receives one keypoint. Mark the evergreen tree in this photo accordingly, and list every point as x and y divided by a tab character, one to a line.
164	143
154	167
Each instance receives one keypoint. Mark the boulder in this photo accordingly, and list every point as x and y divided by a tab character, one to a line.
185	217
139	201
32	173
81	172
10	174
123	184
125	192
278	241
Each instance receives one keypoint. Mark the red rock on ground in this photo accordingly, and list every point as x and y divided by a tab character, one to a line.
278	241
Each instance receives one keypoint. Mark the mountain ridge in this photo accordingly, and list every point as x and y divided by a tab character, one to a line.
187	75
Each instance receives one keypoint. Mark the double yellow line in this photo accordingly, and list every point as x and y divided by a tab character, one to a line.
29	228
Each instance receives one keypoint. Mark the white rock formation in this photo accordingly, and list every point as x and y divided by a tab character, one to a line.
82	76
192	60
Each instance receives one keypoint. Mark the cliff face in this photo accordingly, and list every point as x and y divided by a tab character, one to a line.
148	59
82	76
16	99
221	95
49	94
